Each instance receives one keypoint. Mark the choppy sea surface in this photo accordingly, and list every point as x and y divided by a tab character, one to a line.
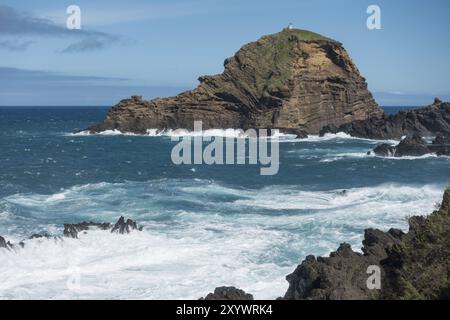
204	226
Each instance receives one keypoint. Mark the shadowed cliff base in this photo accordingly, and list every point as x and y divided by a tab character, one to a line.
428	121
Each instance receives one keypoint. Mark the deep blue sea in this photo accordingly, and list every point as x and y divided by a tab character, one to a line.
204	226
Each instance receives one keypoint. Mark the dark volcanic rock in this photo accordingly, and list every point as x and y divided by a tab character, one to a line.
341	276
440	139
384	150
5	244
413	265
441	145
71	230
125	227
411	146
293	79
426	121
228	293
440	150
40	235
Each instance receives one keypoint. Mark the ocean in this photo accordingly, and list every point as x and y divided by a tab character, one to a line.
204	226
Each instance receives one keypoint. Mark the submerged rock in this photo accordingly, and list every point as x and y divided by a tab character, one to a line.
228	293
125	227
413	265
384	150
40	235
71	230
291	80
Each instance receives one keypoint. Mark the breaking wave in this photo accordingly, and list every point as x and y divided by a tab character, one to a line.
198	235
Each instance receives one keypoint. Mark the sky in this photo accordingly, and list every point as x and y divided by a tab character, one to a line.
160	47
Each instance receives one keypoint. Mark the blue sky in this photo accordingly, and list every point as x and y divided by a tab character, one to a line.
157	48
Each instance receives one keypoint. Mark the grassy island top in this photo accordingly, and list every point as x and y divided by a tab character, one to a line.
301	35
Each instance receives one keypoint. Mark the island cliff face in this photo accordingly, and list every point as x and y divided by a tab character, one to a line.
294	79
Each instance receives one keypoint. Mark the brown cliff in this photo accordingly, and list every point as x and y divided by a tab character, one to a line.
293	79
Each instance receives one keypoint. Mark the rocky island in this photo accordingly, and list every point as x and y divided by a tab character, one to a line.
295	80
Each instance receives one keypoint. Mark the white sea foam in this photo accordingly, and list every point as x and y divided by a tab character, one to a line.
113	132
56	197
242	237
345	136
339	137
425	156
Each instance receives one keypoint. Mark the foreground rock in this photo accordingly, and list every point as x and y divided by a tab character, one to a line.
228	293
291	80
427	121
413	146
415	265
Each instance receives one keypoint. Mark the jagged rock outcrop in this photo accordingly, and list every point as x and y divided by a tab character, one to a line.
412	265
123	226
72	230
5	244
293	79
343	275
228	293
412	146
428	121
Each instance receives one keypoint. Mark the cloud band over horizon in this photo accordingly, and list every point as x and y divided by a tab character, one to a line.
17	23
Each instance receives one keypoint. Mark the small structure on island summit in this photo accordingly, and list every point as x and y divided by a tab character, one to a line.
290	26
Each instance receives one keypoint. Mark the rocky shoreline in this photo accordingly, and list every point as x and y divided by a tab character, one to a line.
413	265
